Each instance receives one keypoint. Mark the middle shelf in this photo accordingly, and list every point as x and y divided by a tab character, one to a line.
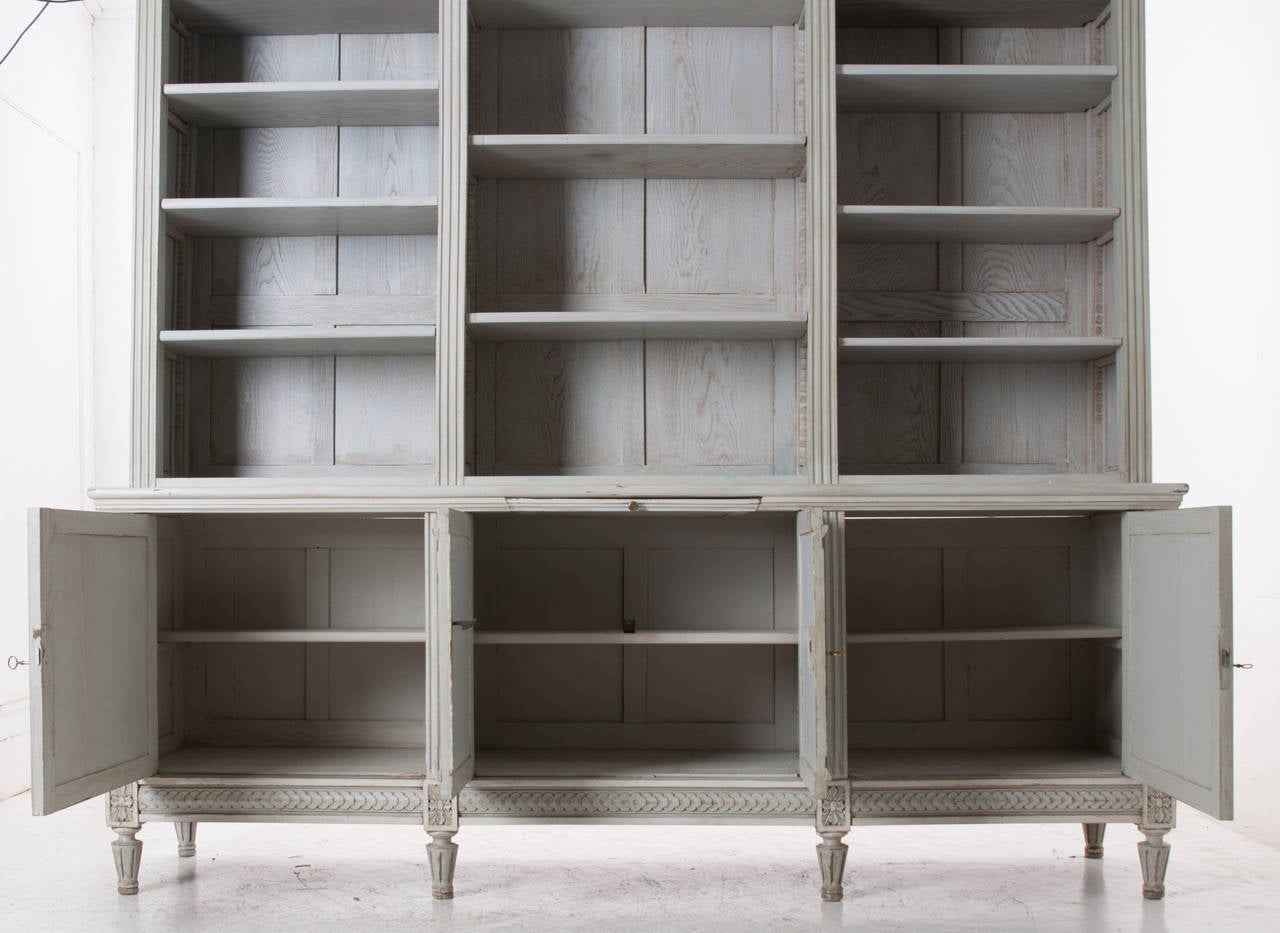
418	636
350	216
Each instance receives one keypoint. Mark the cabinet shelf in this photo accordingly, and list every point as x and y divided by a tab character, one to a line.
645	764
955	224
293	636
634	325
601	155
404	764
1028	633
972	88
307	103
636	638
950	764
976	349
414	340
521	14
237	217
1009	13
312	17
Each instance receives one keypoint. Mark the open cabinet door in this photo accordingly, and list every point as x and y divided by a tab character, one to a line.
451	745
93	655
1177	655
811	619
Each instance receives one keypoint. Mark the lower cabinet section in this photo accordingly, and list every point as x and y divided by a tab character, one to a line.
808	667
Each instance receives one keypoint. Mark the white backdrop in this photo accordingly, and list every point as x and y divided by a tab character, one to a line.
1214	80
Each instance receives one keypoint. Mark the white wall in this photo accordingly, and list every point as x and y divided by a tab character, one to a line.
46	282
1214	83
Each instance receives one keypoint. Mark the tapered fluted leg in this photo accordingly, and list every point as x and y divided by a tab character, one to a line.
1154	857
186	839
832	853
1093	833
126	852
442	853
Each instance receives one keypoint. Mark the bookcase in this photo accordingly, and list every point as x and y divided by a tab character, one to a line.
610	410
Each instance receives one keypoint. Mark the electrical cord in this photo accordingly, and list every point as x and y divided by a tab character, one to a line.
45	4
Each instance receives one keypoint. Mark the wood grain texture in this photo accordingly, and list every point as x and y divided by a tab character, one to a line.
237	217
516	14
319	103
706	402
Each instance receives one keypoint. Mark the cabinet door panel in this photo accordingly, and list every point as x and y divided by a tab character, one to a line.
93	643
1177	655
451	746
811	621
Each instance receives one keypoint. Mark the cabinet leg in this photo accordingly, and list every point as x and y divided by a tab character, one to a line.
126	852
442	853
186	839
832	853
1153	854
1093	833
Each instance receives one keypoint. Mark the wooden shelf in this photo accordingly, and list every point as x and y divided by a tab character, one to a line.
406	764
601	155
314	17
294	637
972	88
1028	633
1026	13
923	764
954	224
976	349
391	340
646	764
235	217
518	14
637	638
307	103
633	325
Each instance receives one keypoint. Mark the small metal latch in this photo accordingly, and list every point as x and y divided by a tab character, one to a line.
464	623
835	654
628	626
15	662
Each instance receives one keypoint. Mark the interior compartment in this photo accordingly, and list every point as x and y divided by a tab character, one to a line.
983	646
637	645
293	404
995	257
640	252
292	642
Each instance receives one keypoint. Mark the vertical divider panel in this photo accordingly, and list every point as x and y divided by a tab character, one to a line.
148	185
837	724
1128	148
451	318
819	78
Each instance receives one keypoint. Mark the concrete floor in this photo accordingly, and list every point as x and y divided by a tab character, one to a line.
56	874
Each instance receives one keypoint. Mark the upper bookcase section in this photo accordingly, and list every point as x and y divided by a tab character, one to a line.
313	17
580	14
1042	14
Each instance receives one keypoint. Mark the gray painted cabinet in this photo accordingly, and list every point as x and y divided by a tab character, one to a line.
637	411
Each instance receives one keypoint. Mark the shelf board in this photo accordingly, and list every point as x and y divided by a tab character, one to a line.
976	349
293	636
637	638
307	103
923	764
1024	13
972	88
954	224
1027	633
235	217
405	764
634	325
642	764
520	14
313	17
389	340
603	155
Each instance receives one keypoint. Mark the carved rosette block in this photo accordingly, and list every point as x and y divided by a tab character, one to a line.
1159	810
186	832
122	807
126	852
1093	835
440	813
833	819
